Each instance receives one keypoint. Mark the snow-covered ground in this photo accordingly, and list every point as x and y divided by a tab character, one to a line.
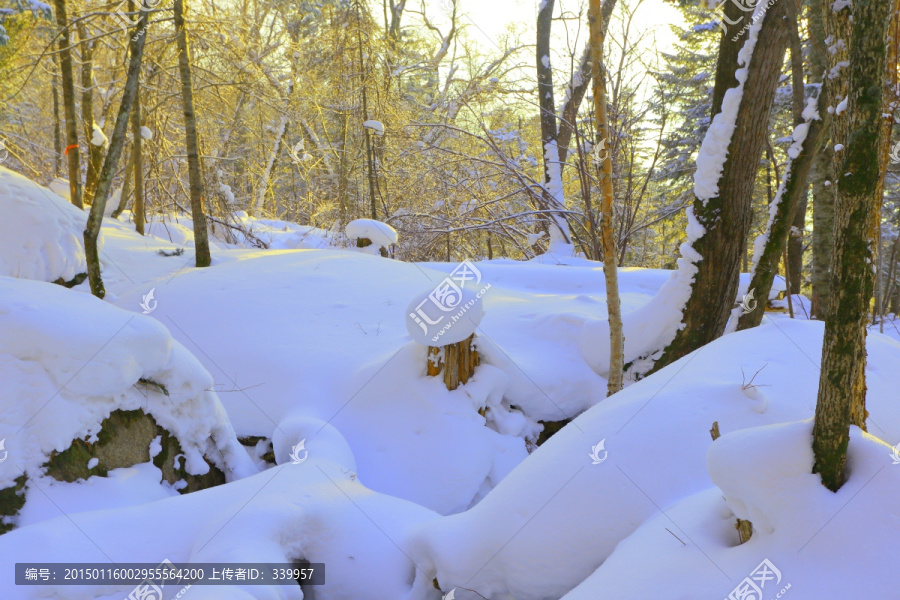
383	474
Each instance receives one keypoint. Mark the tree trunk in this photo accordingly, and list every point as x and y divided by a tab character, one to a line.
137	208
68	82
842	386
57	131
727	62
578	87
456	361
789	198
553	188
195	180
94	152
110	163
610	270
725	217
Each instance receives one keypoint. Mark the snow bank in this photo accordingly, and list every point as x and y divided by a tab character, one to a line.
315	511
380	234
810	537
559	512
67	360
41	235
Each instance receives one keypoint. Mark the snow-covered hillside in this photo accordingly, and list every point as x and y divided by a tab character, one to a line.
351	455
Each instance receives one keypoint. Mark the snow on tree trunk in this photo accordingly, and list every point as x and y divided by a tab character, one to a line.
610	268
769	247
727	163
554	195
195	180
111	162
842	385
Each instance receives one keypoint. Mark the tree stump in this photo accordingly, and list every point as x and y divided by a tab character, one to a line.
456	361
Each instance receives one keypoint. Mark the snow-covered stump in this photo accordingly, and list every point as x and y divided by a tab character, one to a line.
372	237
456	361
444	320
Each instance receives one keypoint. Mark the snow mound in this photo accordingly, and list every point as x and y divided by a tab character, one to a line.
40	233
434	320
380	234
313	511
67	360
565	508
804	536
297	437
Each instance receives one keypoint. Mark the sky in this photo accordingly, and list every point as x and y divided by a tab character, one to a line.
488	19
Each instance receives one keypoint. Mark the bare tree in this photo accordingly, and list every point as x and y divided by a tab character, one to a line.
68	83
110	163
195	180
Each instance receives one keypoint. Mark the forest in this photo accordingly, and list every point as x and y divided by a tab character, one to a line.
439	299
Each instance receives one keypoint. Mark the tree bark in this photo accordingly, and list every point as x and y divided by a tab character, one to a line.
842	386
68	82
794	266
195	179
610	269
553	192
727	62
137	157
790	197
726	218
57	131
94	153
110	163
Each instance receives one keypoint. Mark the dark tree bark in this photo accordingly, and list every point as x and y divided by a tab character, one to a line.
137	208
798	224
195	179
726	218
94	153
549	131
842	386
778	231
57	130
727	62
110	163
68	82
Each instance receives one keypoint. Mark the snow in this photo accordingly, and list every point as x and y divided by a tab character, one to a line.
41	234
765	475
67	360
375	126
98	138
391	479
380	234
146	133
656	432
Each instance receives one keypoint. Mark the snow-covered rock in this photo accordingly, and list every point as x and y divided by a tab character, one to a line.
67	360
41	235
